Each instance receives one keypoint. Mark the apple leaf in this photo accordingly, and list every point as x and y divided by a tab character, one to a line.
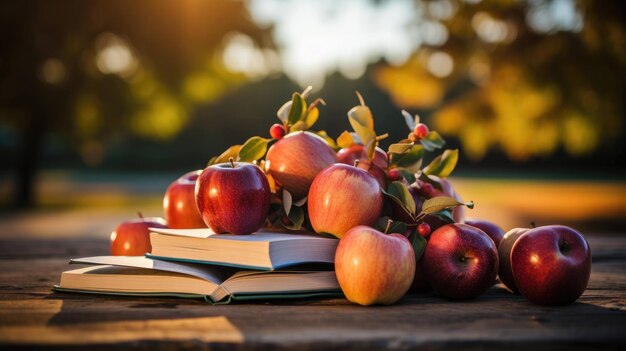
301	202
445	215
371	149
296	217
410	160
298	106
312	115
362	123
345	139
408	175
443	165
287	201
440	203
253	149
283	111
400	148
433	141
300	125
232	151
410	120
399	193
419	244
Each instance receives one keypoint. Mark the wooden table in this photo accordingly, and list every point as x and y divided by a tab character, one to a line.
31	317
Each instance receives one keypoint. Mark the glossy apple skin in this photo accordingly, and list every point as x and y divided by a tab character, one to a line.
495	233
342	197
551	265
132	238
374	268
355	152
233	200
296	159
179	203
460	261
504	255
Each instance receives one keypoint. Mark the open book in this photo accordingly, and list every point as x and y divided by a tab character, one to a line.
142	276
261	250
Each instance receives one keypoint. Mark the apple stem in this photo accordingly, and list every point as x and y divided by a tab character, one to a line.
232	162
356	163
388	226
140	215
533	224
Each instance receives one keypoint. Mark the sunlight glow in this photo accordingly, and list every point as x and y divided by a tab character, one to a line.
115	56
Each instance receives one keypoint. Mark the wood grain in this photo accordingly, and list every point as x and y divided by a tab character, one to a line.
32	317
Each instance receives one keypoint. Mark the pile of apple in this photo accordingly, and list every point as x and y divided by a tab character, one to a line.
401	224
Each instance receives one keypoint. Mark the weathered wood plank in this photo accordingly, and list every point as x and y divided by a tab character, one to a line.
33	317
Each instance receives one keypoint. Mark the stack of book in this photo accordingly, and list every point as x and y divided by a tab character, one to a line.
220	268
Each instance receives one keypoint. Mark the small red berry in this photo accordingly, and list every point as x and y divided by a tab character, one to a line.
277	131
394	174
420	131
424	229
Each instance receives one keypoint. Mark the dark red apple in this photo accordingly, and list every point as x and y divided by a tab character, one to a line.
551	265
356	152
495	233
374	268
233	197
296	159
342	197
460	261
132	238
504	255
179	203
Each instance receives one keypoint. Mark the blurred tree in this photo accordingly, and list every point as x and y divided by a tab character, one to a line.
530	77
92	70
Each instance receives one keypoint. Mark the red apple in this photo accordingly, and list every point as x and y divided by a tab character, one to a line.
495	233
460	261
356	152
296	159
504	254
233	197
374	268
378	173
179	203
342	197
132	238
551	265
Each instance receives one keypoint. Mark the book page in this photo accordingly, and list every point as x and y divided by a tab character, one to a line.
214	274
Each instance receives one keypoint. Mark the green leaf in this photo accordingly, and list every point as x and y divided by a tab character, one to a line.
433	141
445	215
287	201
300	125
232	151
395	226
296	216
408	175
345	139
400	148
298	106
410	120
440	203
311	116
409	160
362	123
399	192
419	244
443	165
283	111
253	149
